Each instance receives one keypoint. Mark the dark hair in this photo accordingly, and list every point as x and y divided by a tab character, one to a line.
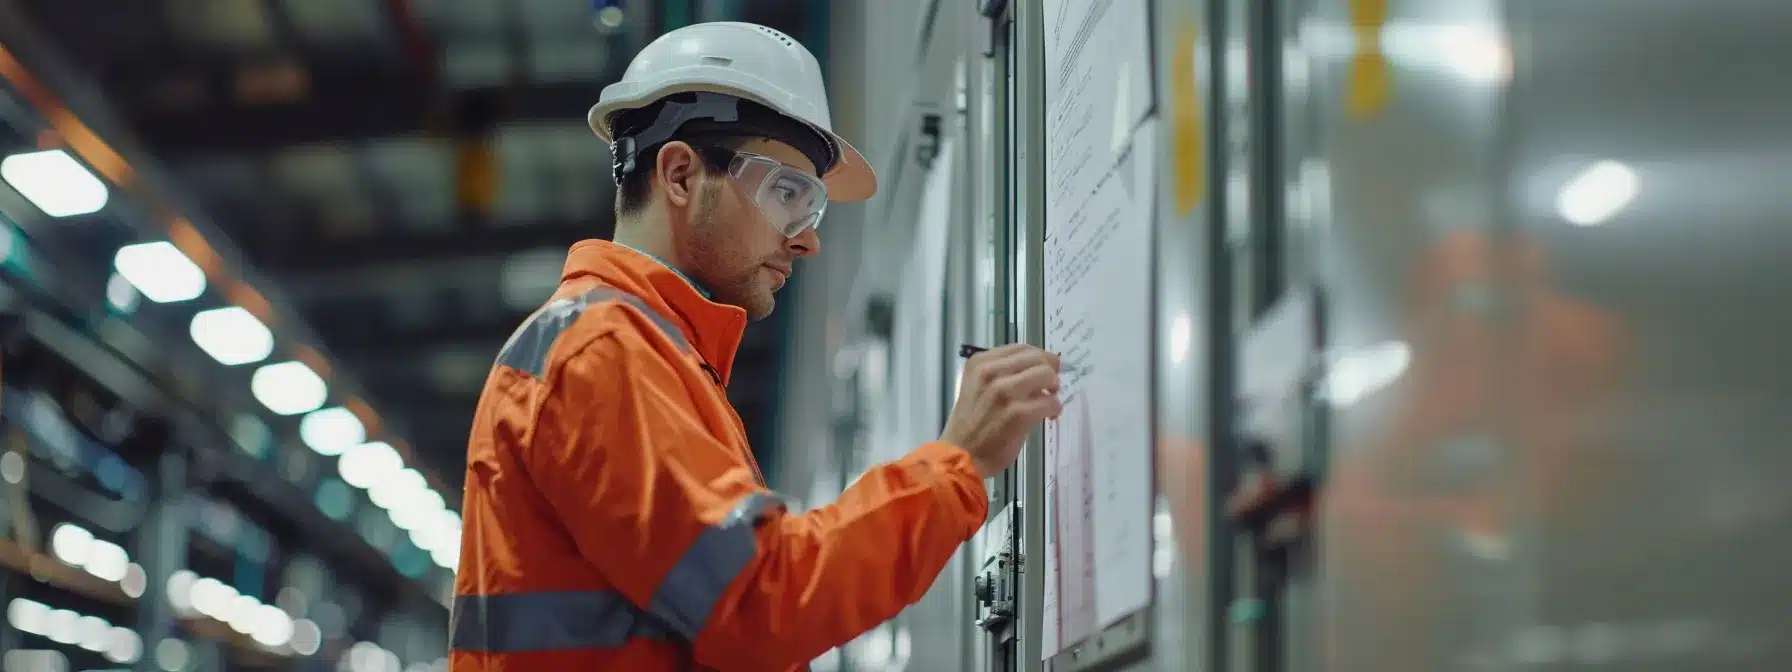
716	152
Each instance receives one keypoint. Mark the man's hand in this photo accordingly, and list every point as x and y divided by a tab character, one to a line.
1005	392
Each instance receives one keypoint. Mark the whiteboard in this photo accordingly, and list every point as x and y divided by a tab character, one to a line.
1099	202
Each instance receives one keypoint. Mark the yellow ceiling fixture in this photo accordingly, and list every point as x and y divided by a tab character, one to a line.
1188	163
1370	83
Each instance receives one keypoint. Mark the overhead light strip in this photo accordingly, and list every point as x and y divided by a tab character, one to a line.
182	234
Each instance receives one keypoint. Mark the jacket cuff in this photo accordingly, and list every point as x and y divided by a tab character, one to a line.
967	482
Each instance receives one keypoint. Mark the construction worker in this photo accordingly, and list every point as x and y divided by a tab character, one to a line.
614	516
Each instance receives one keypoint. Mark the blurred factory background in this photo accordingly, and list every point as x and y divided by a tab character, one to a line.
244	236
256	257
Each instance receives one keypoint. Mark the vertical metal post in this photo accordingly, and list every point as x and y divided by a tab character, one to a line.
1028	178
986	282
1006	234
1220	344
161	548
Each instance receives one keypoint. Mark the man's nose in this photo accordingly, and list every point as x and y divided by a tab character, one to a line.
804	244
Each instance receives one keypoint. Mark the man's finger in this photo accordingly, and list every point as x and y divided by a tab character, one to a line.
1031	381
1012	359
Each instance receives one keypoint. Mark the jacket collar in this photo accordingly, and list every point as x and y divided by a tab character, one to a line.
713	329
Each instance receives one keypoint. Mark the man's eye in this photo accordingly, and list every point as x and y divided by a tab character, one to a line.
785	194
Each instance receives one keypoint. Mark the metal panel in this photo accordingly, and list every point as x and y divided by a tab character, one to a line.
1407	153
1027	181
1559	445
1509	394
1188	167
1641	390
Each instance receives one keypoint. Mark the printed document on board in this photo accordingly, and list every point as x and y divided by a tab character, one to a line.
1098	453
1099	203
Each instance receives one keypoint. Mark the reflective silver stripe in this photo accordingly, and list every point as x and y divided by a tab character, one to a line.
602	619
547	621
688	594
527	350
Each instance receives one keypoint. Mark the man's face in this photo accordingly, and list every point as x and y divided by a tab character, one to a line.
734	251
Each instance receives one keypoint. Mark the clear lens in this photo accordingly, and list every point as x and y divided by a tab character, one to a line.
792	200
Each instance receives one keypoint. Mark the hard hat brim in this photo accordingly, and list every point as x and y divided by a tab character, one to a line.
852	179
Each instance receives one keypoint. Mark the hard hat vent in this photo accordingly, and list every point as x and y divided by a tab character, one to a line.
781	37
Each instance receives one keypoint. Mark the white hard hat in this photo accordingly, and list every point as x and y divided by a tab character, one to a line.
745	60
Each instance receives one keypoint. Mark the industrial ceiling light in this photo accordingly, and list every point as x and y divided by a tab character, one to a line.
447	557
54	182
232	336
331	431
369	463
398	490
1597	194
160	272
607	16
423	509
307	638
121	294
63	626
440	534
70	543
288	388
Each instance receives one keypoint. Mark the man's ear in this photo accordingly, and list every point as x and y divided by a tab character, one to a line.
677	167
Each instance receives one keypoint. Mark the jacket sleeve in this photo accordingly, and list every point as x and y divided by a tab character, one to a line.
674	518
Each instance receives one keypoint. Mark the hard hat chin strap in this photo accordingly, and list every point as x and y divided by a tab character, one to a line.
707	113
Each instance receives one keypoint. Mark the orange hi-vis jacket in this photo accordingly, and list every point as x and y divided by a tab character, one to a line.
615	519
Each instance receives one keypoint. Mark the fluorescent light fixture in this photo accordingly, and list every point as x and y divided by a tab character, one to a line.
397	491
331	431
65	627
417	512
173	654
121	294
610	18
54	182
1597	193
135	580
447	557
232	336
369	463
213	598
28	616
160	272
120	645
288	388
441	533
306	637
123	645
94	631
107	561
71	543
270	626
180	590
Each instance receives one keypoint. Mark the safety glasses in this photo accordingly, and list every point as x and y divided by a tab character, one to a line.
792	200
